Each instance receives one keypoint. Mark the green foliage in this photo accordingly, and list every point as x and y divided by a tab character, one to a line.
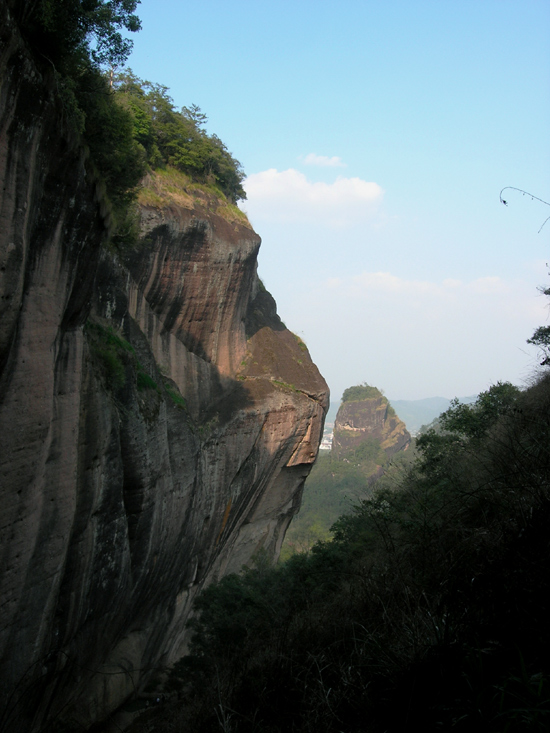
112	352
75	40
175	396
426	611
360	392
167	136
334	487
71	33
468	422
108	131
117	359
331	488
144	381
541	338
368	451
131	126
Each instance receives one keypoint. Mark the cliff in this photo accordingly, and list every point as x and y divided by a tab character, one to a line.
158	420
366	427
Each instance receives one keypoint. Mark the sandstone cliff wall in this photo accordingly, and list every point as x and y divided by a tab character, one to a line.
371	418
157	419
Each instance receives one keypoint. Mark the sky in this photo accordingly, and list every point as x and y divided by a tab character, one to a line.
376	138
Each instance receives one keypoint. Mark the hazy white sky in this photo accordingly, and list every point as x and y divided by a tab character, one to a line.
376	137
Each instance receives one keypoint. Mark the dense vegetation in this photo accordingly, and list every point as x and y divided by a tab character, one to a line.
541	337
360	392
166	136
73	34
130	126
428	609
333	487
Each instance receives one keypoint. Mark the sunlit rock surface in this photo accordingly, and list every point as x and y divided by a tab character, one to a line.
368	419
157	418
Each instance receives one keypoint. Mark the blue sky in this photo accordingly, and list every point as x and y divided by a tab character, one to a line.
376	137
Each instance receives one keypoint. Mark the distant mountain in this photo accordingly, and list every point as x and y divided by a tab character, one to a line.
416	413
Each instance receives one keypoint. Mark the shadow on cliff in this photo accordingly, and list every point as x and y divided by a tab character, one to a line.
261	312
232	397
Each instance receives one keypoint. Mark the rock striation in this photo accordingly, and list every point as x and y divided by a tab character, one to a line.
368	420
158	420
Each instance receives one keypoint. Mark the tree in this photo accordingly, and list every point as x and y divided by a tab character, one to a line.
473	421
360	392
541	338
178	139
196	115
74	32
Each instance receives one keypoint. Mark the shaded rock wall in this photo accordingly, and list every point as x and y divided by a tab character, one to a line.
157	419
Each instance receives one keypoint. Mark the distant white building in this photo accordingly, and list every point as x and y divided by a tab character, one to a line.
328	434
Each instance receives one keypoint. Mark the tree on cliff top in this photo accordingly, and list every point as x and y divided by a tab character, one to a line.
360	392
72	32
167	136
132	127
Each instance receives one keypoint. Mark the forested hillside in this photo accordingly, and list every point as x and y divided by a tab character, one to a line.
427	611
368	438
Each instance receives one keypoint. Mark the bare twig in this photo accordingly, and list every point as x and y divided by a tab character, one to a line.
525	193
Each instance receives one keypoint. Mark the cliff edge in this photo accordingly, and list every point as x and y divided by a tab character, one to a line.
158	420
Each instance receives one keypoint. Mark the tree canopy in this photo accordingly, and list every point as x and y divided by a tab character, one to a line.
360	392
168	136
75	32
426	611
130	126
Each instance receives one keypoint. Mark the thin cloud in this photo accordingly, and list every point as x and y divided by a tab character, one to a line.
464	304
289	195
324	161
391	284
427	337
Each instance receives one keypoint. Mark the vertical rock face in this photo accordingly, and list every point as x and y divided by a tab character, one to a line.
368	420
158	420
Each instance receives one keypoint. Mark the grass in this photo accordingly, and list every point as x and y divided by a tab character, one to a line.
231	212
300	342
148	197
285	385
176	397
167	187
116	355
